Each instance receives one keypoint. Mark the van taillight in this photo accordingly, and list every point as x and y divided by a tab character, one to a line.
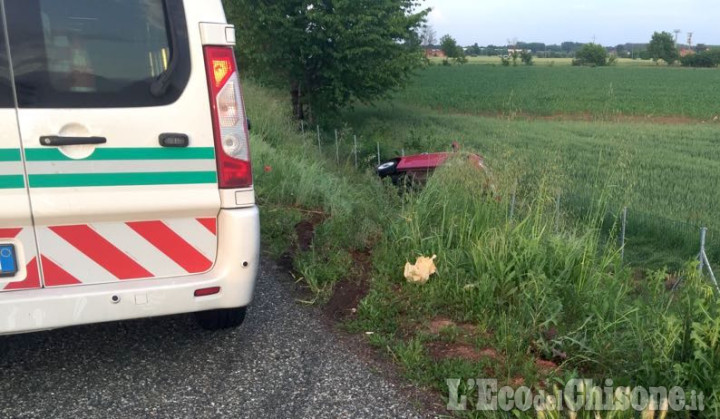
232	146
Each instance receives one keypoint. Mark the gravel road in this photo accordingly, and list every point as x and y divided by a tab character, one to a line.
283	362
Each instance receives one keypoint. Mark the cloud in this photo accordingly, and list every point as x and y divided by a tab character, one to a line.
437	17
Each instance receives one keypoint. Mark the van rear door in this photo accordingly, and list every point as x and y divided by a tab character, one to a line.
116	126
18	264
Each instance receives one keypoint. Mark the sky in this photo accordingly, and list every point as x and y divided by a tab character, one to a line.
607	22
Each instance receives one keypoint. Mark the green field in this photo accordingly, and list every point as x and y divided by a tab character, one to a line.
666	169
589	93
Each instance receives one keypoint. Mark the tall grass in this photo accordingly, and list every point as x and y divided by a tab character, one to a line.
293	184
535	293
529	287
660	172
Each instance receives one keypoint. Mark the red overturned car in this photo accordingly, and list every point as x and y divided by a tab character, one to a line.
415	169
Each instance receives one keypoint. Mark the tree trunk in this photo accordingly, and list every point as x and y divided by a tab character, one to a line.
296	96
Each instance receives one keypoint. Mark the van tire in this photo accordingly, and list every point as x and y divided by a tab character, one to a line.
221	319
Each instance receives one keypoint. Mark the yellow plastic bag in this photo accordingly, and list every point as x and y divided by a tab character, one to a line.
420	272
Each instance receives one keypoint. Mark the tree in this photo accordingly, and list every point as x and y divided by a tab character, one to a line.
449	46
474	50
330	54
570	47
707	58
591	55
526	57
492	50
662	47
428	37
621	51
514	55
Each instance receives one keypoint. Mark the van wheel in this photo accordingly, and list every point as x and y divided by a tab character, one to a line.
221	319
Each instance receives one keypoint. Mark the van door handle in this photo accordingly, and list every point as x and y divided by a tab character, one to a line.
57	141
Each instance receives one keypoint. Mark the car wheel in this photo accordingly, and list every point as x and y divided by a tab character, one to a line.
388	168
221	319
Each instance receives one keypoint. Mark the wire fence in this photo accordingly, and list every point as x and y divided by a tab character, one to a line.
645	239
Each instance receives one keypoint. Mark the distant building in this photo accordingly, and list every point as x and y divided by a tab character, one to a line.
434	52
512	51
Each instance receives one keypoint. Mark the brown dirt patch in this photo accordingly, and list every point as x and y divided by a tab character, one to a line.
305	231
445	350
346	297
286	261
517	381
638	119
545	366
438	324
348	293
305	234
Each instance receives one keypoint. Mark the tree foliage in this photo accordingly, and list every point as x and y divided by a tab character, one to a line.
329	53
526	57
707	58
451	49
474	50
662	47
591	55
449	46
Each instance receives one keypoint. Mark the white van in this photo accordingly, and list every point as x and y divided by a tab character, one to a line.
125	180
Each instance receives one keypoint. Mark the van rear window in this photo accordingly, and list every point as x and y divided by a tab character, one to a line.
96	53
6	99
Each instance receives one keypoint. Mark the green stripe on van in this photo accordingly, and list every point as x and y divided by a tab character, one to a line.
194	153
10	154
121	179
12	182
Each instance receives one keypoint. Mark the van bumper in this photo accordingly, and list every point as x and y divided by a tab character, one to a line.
235	272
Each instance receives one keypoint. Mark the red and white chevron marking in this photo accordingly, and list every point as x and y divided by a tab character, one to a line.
26	237
107	252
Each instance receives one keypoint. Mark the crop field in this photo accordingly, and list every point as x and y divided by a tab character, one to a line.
592	93
665	168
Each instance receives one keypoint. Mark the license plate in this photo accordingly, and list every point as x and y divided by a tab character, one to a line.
8	262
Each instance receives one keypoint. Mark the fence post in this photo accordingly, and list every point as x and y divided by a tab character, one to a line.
622	234
378	152
337	148
302	127
356	150
319	145
704	260
703	235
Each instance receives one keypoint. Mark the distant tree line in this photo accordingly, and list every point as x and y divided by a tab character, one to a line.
570	49
707	58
